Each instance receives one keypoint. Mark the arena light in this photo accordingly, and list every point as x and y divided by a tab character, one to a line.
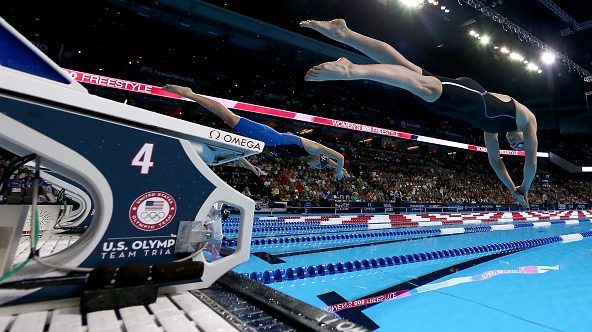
484	40
504	50
472	32
412	3
523	35
548	58
532	67
516	56
152	90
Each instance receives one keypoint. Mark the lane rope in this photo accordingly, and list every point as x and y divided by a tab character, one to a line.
311	271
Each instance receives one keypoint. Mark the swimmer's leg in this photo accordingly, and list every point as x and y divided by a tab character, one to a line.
428	88
259	131
211	105
219	110
378	50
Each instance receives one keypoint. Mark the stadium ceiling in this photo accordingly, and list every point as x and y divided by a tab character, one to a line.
437	40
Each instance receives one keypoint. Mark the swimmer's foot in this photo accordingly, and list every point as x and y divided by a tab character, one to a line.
338	70
335	29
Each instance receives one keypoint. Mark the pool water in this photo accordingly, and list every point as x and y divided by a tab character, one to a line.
529	276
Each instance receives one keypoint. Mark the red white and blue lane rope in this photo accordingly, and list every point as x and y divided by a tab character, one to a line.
410	232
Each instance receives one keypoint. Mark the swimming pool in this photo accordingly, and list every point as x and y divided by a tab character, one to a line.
523	271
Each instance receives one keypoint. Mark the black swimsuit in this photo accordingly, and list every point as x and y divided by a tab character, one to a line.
466	100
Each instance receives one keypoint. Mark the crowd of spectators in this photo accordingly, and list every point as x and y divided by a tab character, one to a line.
421	176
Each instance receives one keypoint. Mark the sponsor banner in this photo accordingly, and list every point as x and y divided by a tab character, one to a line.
241	141
116	83
570	206
390	207
270	207
110	82
177	77
411	124
453	134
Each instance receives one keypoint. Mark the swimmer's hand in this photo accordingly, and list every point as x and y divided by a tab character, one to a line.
524	193
519	195
180	90
260	172
342	174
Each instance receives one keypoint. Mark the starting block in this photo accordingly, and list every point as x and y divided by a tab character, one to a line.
140	173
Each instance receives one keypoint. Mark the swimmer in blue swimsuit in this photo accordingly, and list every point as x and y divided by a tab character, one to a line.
462	98
316	155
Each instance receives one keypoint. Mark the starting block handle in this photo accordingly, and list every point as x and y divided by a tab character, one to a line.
226	194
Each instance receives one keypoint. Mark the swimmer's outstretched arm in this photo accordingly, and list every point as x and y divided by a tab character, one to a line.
211	105
530	159
492	144
335	166
314	148
244	163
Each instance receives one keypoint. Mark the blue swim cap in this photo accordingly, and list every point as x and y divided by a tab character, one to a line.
323	162
518	146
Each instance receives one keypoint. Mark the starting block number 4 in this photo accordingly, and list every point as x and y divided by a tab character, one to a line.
143	158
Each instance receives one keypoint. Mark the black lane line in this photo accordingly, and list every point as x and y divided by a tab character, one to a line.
357	316
270	258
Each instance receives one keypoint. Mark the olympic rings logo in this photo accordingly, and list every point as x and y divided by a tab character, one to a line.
152	210
152	216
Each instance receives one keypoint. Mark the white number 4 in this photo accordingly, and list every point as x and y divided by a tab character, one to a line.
144	158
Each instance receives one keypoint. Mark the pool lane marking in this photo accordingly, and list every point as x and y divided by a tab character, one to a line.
356	315
531	269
